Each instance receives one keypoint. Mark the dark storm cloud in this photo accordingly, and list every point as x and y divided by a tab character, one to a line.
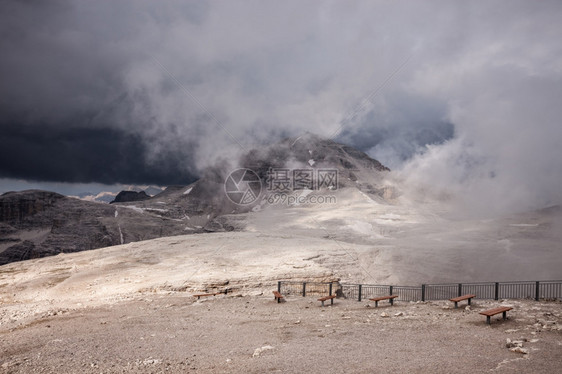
66	113
83	155
158	90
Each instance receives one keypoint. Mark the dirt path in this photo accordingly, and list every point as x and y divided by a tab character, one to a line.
253	334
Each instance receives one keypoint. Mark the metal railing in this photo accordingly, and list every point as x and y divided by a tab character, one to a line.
308	288
550	290
483	290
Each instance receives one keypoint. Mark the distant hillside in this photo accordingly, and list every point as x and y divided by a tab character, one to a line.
40	223
128	196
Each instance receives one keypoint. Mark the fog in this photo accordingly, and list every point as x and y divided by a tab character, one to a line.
461	97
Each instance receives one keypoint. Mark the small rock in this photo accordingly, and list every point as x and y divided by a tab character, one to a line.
384	315
399	314
514	343
519	350
517	343
467	307
297	322
258	351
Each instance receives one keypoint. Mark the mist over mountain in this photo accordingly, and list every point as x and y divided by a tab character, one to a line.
95	93
306	187
153	151
41	223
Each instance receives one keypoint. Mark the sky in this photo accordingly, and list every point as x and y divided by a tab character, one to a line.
461	96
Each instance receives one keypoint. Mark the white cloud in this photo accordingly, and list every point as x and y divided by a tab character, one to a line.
264	70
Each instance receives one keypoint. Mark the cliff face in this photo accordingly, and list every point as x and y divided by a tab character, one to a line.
15	207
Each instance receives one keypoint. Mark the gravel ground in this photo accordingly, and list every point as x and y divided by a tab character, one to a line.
173	332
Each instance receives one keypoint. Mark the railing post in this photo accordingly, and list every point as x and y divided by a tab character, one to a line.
390	290
360	288
303	289
497	293
423	292
537	290
460	289
330	289
279	286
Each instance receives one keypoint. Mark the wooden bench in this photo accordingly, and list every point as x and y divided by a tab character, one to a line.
461	298
380	298
326	298
491	312
277	296
199	295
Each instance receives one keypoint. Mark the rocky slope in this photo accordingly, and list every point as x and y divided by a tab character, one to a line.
39	223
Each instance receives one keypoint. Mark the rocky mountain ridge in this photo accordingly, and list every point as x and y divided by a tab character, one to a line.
40	223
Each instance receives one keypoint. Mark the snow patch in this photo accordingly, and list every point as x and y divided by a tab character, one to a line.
361	227
390	219
186	192
369	199
133	207
304	193
296	140
120	233
141	210
155	210
311	162
391	216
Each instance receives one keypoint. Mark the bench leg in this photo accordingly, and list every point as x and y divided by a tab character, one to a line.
469	301
376	304
332	301
488	320
456	305
278	300
504	315
322	302
391	301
